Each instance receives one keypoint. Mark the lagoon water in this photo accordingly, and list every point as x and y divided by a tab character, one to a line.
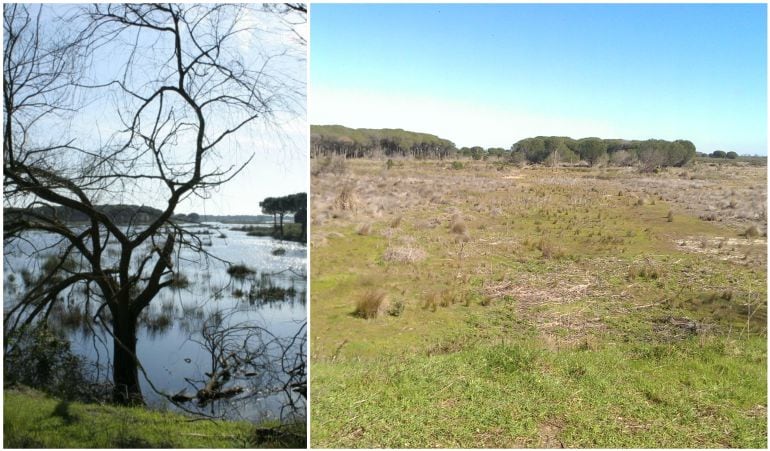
169	337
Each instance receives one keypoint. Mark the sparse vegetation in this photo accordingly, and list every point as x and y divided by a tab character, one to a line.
369	303
404	254
179	281
577	316
240	271
365	229
751	232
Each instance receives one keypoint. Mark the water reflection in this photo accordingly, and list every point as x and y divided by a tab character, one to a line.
264	313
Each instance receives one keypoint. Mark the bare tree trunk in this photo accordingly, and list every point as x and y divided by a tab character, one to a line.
125	371
281	225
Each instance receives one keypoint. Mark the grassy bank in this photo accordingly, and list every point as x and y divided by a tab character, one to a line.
291	232
496	306
34	420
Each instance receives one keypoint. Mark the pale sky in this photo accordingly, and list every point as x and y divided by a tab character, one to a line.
280	165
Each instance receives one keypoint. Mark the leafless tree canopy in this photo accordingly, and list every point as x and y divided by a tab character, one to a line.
174	87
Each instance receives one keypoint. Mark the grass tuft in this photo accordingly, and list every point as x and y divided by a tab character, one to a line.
369	303
404	254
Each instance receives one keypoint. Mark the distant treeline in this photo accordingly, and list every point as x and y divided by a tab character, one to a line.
225	219
130	214
327	140
650	153
119	214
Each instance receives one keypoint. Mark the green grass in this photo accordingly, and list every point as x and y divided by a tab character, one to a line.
523	395
573	315
34	420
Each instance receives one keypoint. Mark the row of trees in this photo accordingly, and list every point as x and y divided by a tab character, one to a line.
281	206
329	140
722	154
326	140
119	214
648	154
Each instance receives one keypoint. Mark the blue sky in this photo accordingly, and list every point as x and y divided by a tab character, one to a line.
492	74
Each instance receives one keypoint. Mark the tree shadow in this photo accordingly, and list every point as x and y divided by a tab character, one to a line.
62	411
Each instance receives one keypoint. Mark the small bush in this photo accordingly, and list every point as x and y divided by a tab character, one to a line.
389	164
430	302
752	232
464	238
457	165
458	227
647	271
369	303
396	308
240	271
549	249
41	359
396	222
670	217
179	281
279	251
332	165
346	200
365	229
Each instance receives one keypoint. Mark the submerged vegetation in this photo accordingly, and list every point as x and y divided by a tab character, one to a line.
538	307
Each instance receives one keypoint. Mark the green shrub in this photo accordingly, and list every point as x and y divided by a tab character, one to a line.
396	308
38	358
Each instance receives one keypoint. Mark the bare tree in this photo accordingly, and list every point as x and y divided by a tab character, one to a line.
188	84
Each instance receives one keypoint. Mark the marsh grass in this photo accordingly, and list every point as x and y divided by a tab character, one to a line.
240	271
369	303
179	281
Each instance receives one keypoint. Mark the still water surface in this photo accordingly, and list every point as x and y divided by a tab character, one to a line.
169	339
